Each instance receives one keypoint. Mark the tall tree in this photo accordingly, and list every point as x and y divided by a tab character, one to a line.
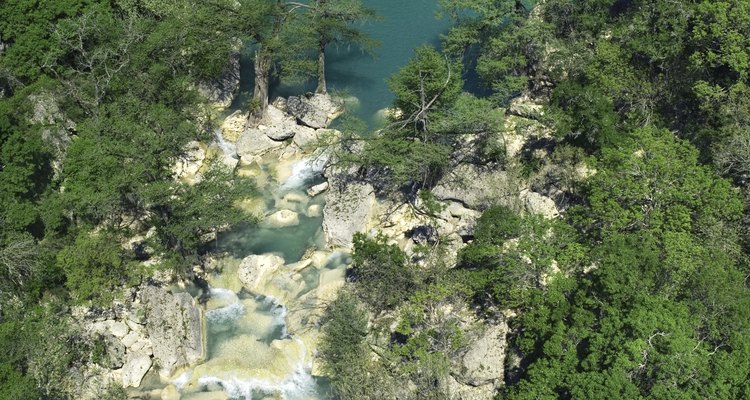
334	21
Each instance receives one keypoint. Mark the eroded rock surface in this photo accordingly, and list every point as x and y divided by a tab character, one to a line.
175	326
484	361
221	91
476	188
315	111
347	211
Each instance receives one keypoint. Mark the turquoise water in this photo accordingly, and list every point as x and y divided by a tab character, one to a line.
405	26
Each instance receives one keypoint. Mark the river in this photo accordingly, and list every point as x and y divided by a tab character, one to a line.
259	342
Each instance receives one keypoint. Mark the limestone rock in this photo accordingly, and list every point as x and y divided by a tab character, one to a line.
114	352
282	219
254	142
317	189
191	162
315	111
119	329
280	132
315	210
234	125
255	269
221	91
135	368
484	361
476	188
538	204
459	391
176	327
347	210
525	107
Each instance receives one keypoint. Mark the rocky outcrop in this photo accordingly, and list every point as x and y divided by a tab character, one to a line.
526	107
316	111
536	203
483	363
221	91
176	328
477	188
347	211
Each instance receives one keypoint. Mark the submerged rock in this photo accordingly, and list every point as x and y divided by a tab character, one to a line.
282	219
176	327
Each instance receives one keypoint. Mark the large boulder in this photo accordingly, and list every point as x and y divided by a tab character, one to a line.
477	188
256	269
222	90
280	133
255	142
347	211
316	111
536	203
483	362
135	368
176	327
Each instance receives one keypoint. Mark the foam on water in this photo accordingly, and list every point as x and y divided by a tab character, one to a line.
279	312
228	313
304	172
183	379
300	385
229	149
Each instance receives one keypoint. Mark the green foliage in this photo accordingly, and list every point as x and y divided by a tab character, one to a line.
496	225
95	266
583	112
345	355
383	275
653	181
429	81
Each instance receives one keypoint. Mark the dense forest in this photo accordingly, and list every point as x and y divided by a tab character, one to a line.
638	290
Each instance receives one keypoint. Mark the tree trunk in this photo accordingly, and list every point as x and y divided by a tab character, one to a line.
322	89
260	91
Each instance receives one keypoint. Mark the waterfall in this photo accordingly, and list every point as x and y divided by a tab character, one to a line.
305	171
229	149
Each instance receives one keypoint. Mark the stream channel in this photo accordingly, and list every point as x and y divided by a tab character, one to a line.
260	344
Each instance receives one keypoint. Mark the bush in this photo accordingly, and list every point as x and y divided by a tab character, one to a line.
497	225
383	277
